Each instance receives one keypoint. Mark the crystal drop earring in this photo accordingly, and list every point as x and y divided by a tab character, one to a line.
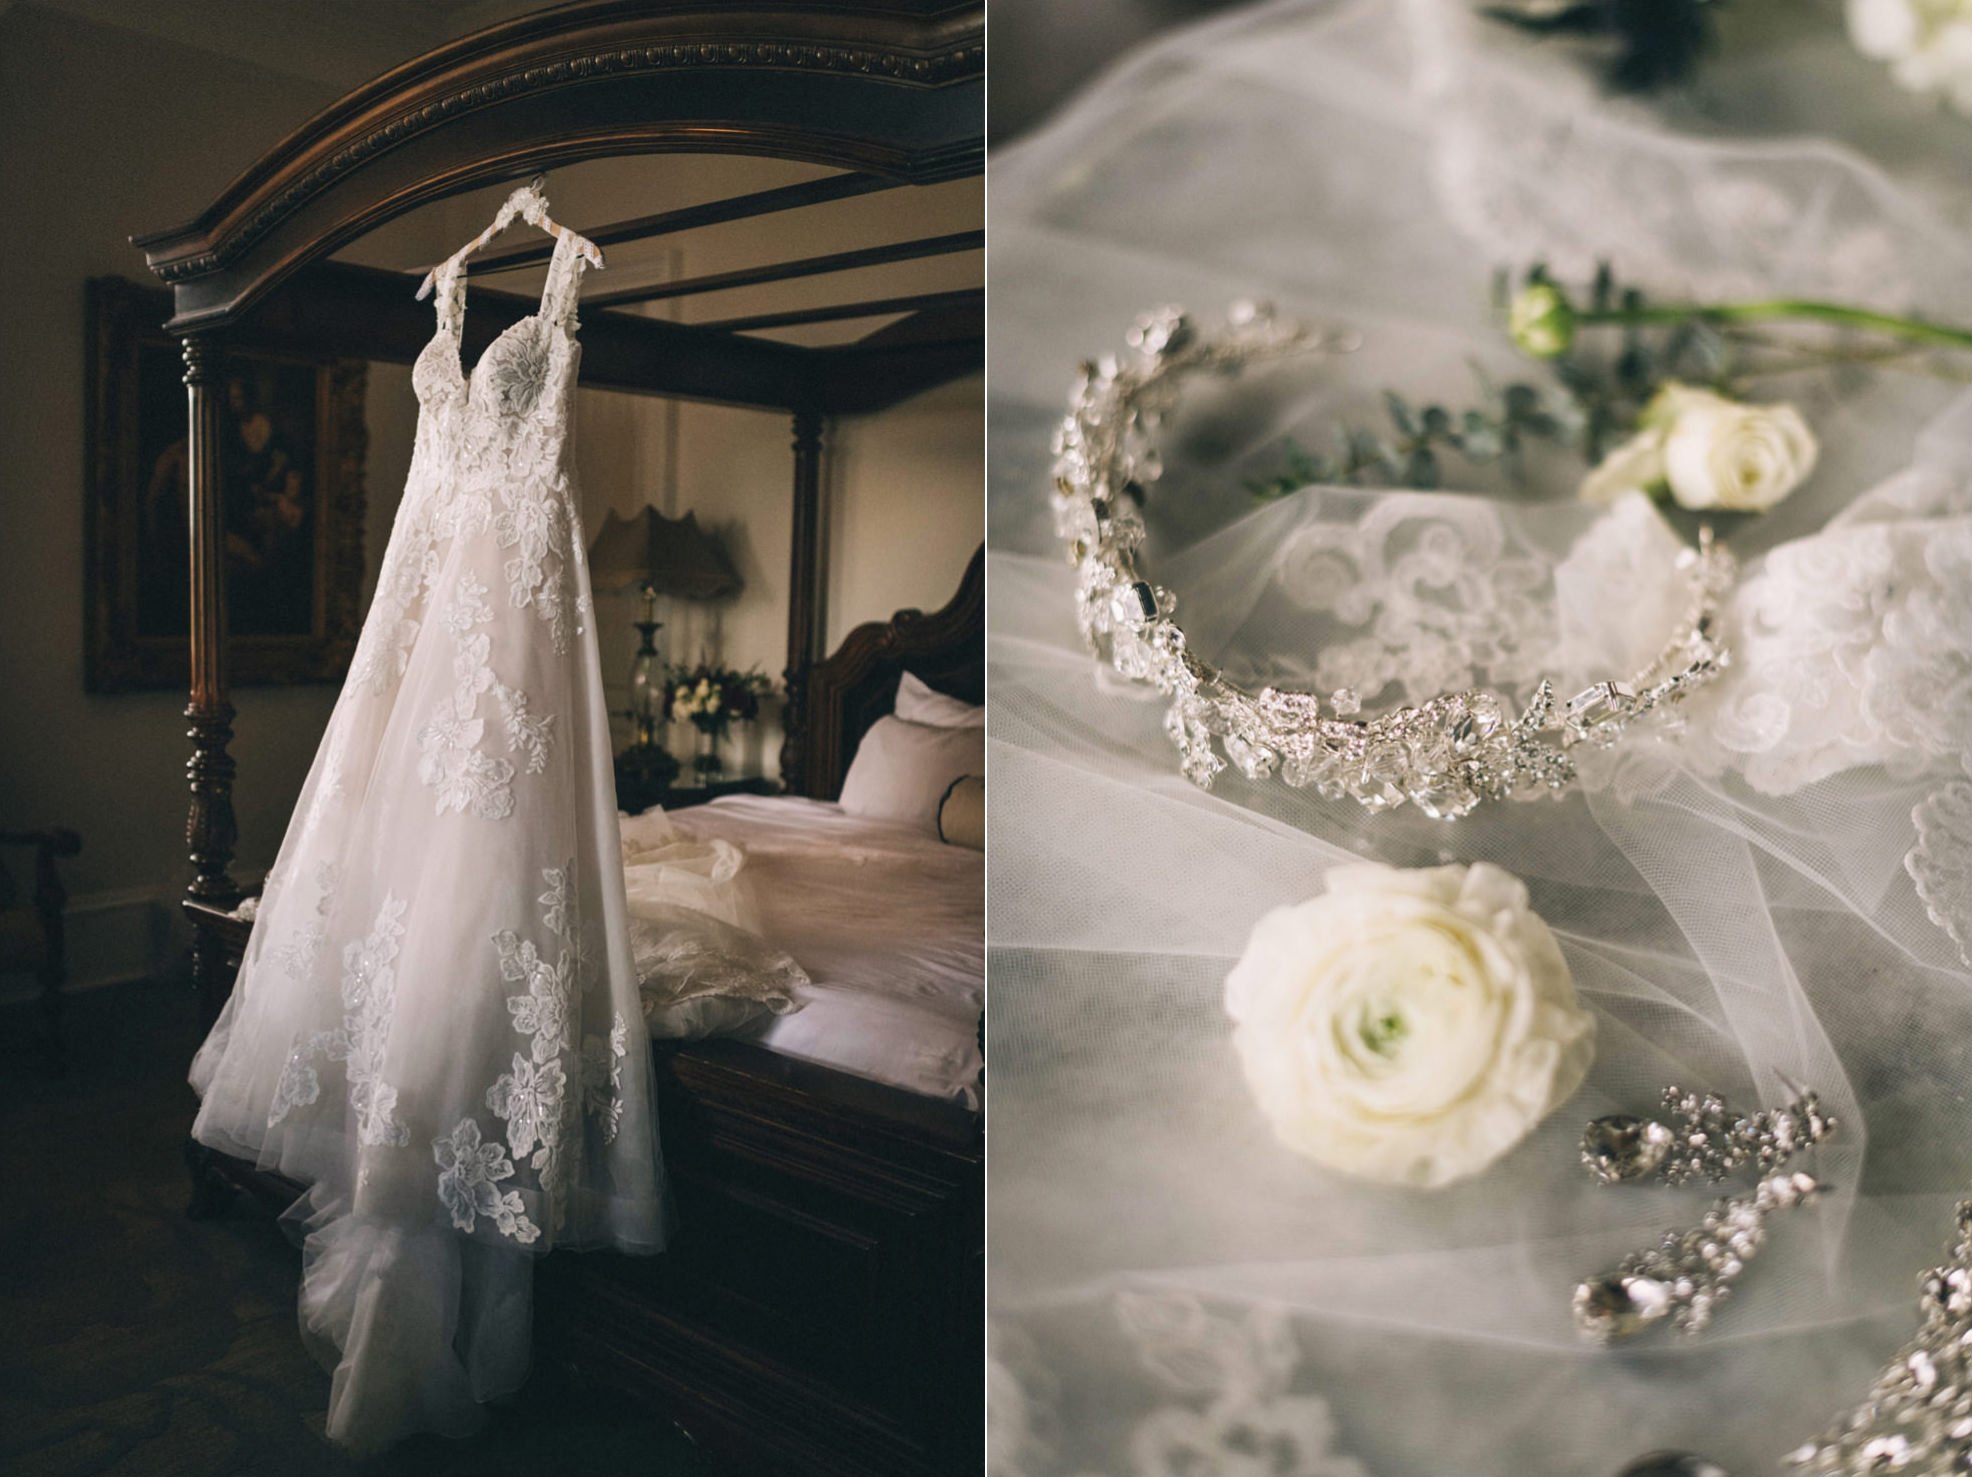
1704	1139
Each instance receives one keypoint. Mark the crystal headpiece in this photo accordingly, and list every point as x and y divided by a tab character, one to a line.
1444	755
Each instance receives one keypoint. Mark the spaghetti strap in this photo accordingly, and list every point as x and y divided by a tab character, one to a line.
563	289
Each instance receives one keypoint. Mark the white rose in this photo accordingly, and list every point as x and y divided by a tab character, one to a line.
1927	42
1409	1026
1719	453
1711	451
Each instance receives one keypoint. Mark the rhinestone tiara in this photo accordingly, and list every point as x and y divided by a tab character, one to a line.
1445	755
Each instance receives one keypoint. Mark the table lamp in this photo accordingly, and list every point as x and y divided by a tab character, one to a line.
659	556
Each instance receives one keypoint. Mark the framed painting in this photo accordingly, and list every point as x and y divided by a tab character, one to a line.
292	448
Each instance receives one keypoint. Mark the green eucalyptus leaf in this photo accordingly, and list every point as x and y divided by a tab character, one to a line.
1401	414
1421	470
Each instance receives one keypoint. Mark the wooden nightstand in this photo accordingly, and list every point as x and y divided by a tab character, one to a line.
684	793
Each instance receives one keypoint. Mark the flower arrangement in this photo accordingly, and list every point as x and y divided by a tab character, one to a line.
711	698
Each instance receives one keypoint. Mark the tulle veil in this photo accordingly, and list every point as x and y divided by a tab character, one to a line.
1768	898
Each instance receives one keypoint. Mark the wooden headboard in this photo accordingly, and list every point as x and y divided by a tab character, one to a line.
845	693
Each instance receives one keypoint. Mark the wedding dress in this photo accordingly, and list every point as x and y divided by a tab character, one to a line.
436	1026
1783	892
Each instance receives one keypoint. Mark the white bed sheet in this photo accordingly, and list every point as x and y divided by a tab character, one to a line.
889	923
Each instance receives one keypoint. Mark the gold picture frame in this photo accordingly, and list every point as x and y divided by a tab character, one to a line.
292	491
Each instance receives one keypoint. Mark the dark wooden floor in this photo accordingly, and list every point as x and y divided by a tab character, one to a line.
137	1343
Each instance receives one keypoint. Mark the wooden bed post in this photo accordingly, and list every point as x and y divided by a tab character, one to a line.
804	596
210	832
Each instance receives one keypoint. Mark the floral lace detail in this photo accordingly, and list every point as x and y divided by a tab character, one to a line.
526	734
470	1173
1849	649
299	1083
1224	1405
302	950
533	1098
543	1012
383	657
369	995
502	431
1941	861
451	761
602	1076
530	1099
1438	598
554	901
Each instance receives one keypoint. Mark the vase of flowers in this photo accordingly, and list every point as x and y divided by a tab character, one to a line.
712	698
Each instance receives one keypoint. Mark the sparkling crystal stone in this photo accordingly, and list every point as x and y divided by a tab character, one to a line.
1431	752
1444	799
1129	654
1299	766
1074	519
1479	722
1345	702
1620	1147
1165	661
1133	605
1887	1453
1255	761
1185	724
1615	1307
1923	1370
1166	329
1598	704
1380	783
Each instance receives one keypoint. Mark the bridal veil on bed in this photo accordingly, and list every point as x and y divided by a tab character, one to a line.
436	1027
1782	893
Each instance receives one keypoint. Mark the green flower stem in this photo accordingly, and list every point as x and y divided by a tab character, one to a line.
1805	358
1912	330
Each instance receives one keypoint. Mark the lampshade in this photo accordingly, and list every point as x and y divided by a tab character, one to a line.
674	556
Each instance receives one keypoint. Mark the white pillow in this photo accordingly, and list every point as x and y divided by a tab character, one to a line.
902	770
917	703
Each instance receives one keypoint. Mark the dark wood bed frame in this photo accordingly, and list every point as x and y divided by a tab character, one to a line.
821	1307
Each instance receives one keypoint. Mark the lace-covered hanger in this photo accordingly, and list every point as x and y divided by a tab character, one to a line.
528	204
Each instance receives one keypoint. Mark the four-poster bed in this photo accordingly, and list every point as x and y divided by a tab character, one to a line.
821	1308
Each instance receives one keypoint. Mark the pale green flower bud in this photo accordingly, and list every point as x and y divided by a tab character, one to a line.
1540	321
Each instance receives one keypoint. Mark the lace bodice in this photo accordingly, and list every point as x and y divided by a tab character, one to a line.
490	455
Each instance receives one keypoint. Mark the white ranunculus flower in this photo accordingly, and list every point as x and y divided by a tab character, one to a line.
1713	452
1721	453
1928	43
1409	1026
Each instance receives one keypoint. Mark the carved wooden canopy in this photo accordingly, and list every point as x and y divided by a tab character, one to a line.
888	87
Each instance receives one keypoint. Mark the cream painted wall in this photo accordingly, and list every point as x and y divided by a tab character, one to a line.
99	138
907	504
